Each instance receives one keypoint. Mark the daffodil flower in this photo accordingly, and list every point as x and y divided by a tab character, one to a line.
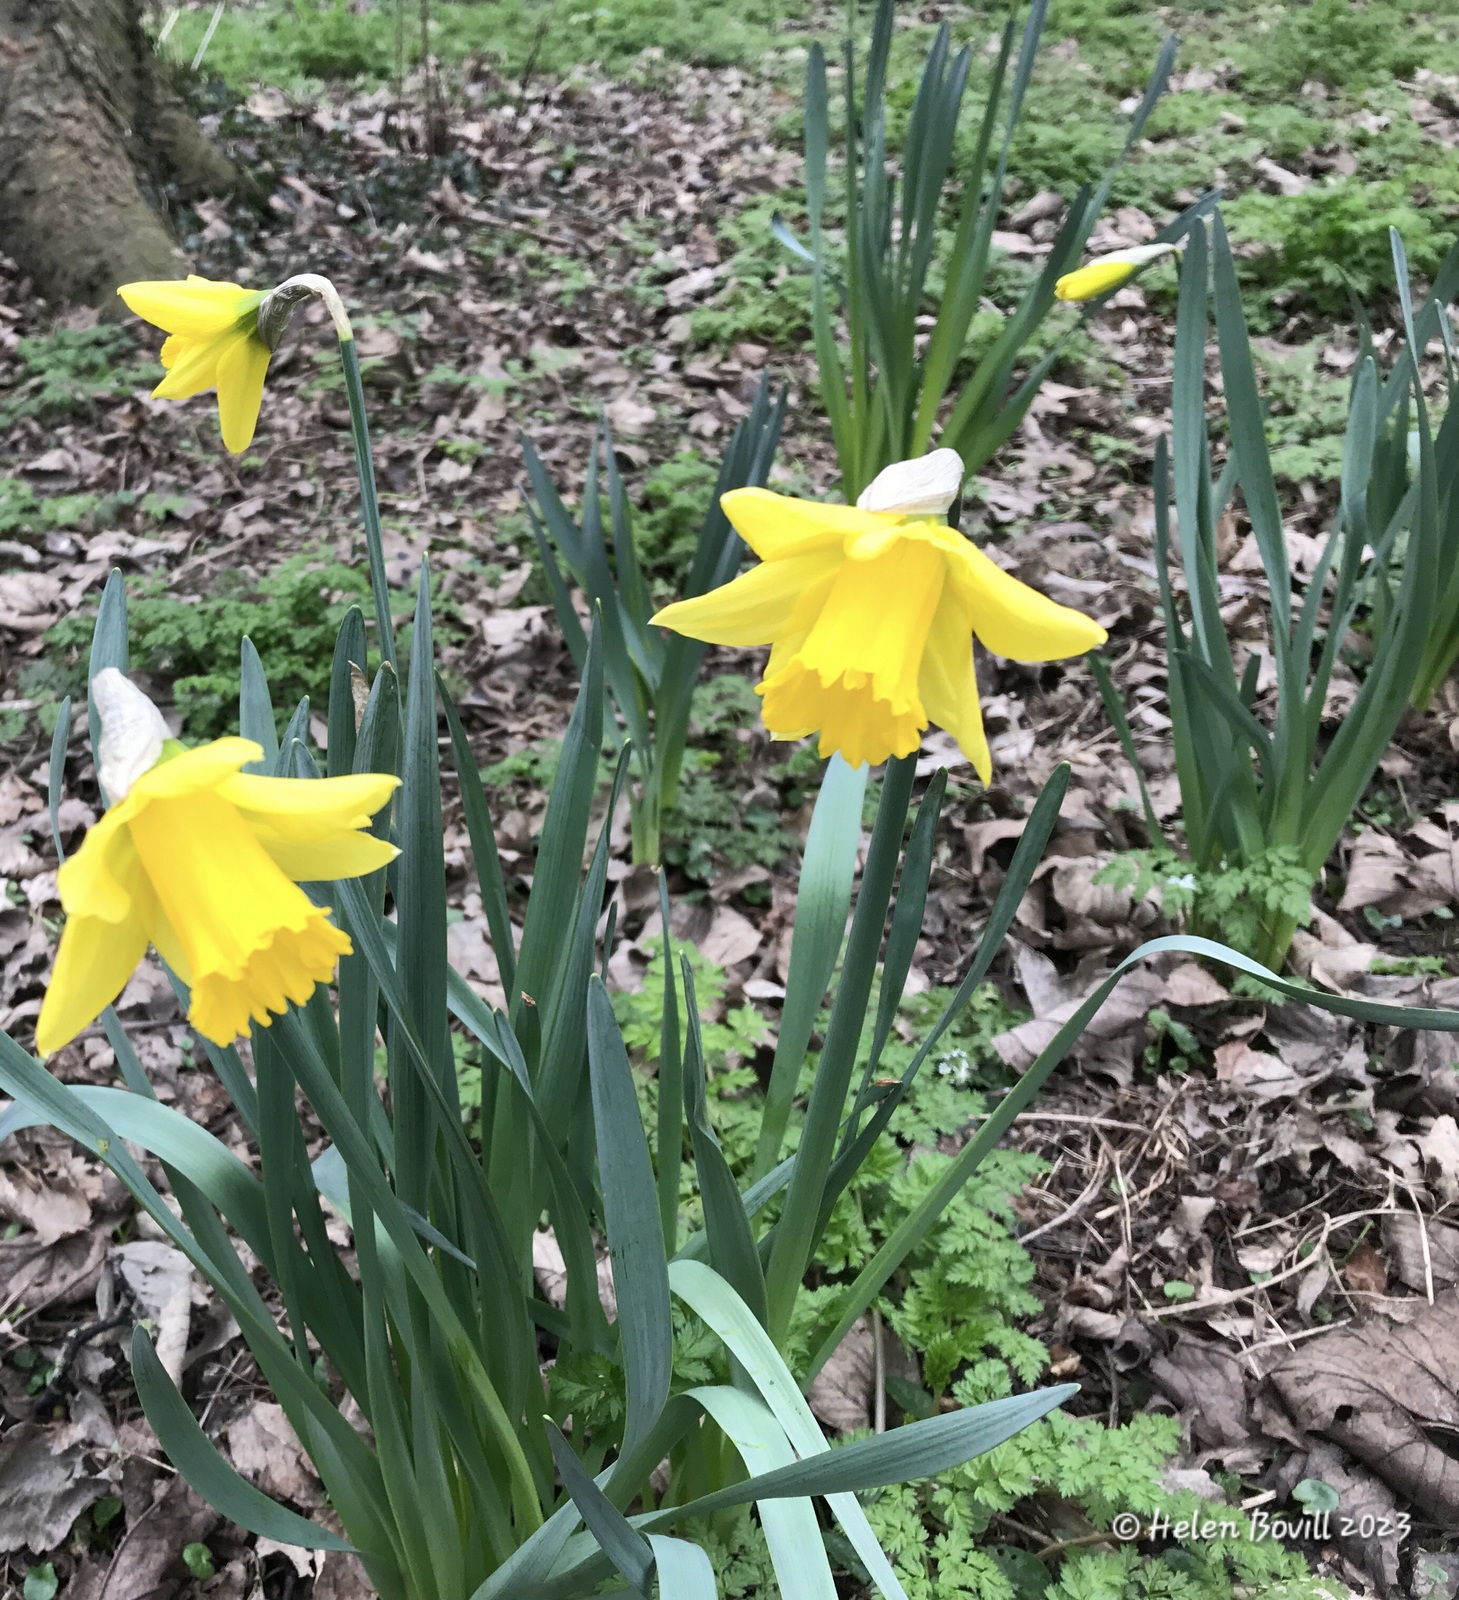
1108	272
870	612
203	861
213	343
221	335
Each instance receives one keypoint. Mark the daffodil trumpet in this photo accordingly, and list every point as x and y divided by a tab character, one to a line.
203	861
871	611
1107	272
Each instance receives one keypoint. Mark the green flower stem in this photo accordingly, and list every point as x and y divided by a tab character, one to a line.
369	501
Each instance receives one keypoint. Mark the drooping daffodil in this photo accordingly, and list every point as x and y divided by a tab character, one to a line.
203	861
1109	271
221	336
213	342
870	612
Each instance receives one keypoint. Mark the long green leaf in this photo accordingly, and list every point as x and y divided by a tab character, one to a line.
564	835
723	1310
108	649
196	1457
797	1551
683	1569
822	901
631	1214
256	708
901	1455
732	1250
628	1550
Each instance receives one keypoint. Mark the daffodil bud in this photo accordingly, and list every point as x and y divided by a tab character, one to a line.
925	487
132	732
1108	272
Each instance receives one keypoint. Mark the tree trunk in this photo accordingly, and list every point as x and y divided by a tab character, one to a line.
90	132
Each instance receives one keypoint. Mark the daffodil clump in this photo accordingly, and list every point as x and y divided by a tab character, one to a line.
204	861
871	611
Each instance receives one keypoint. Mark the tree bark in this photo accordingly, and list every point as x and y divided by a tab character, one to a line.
91	132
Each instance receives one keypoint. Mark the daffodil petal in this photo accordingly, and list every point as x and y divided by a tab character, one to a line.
949	686
241	371
1089	282
850	717
93	964
350	855
197	308
193	370
251	940
310	810
192	771
777	525
1015	621
101	879
760	603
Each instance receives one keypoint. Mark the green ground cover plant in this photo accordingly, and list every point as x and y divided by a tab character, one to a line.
327	40
68	371
292	616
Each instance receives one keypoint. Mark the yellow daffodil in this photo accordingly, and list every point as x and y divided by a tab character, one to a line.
203	861
213	342
1108	272
870	612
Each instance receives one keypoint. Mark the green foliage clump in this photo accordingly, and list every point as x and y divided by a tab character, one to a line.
292	616
1235	904
941	1535
1335	236
1307	414
766	295
710	827
640	1013
1335	43
69	371
673	503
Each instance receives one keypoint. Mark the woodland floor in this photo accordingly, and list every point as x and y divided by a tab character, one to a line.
1254	1224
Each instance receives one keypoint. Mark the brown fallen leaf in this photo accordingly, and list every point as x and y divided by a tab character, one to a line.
1385	1393
163	1517
842	1394
629	414
1439	1146
1206	1382
52	1211
266	1450
45	1485
161	1277
1422	1251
